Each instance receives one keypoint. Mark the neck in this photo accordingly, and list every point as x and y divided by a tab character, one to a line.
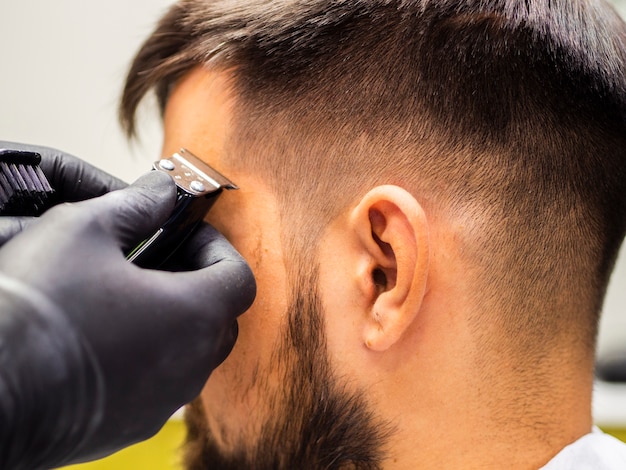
458	417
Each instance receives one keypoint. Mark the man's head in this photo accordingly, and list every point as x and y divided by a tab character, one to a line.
433	194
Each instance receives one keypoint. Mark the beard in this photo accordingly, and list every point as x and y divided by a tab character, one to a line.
316	423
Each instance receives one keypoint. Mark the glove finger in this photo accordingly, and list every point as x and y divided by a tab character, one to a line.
138	210
220	277
11	226
205	247
72	178
225	344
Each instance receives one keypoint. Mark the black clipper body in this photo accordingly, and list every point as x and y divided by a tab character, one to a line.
198	187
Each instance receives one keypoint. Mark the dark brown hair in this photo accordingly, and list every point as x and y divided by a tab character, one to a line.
507	115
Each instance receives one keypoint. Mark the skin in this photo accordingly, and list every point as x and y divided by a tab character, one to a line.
255	234
405	337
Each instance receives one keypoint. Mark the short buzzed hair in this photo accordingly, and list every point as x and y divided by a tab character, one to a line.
508	116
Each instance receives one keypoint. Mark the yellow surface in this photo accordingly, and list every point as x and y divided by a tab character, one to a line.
162	451
620	433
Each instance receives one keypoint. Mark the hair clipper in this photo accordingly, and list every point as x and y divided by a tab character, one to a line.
198	187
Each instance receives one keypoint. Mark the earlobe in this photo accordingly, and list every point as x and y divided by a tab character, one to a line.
393	234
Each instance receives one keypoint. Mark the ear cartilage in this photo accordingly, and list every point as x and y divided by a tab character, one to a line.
198	187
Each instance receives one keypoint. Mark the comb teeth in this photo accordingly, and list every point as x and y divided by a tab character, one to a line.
24	189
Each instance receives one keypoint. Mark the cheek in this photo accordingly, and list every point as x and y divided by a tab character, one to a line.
235	397
346	293
261	325
248	218
232	395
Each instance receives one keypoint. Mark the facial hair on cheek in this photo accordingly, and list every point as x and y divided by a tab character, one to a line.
316	423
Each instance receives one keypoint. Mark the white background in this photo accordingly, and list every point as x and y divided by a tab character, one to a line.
62	65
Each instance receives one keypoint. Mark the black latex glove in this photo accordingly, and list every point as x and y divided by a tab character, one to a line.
73	180
96	353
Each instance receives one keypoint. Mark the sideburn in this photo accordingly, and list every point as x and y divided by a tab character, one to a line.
317	423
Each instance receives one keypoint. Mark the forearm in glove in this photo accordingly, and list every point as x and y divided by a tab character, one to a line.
50	391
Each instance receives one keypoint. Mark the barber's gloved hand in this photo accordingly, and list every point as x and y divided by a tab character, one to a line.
96	353
72	178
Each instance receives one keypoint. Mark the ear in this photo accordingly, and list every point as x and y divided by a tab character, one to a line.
392	233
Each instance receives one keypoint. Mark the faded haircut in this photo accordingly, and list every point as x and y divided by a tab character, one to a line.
508	116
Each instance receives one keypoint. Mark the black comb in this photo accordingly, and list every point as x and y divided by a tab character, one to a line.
24	189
